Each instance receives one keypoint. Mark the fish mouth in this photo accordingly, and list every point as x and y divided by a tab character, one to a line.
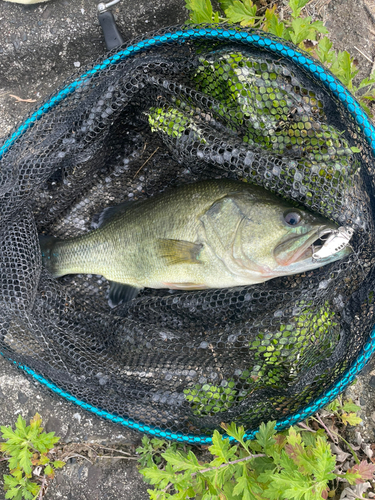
302	247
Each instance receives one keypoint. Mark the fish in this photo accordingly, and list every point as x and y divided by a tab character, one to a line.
208	234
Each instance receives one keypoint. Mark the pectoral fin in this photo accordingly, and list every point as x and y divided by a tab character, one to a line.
119	292
179	251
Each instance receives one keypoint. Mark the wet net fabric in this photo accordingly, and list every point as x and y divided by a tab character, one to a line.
178	106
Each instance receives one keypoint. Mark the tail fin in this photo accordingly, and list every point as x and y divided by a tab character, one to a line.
49	255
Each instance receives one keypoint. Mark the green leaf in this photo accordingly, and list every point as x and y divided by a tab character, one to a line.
158	477
157	443
263	464
21	426
36	422
201	11
48	471
349	406
25	456
343	67
237	433
350	418
353	477
319	27
324	460
299	457
228	488
273	24
27	495
8	433
14	493
309	438
369	97
10	482
58	464
366	82
293	437
277	27
222	449
290	485
182	462
224	4
265	436
33	487
43	460
326	55
297	6
157	495
366	108
244	487
146	441
300	29
287	463
45	442
13	462
241	11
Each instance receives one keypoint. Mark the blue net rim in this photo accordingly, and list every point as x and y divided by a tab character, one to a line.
257	39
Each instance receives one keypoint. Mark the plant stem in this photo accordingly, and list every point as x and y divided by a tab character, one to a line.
42	486
98	456
106	448
113	449
148	159
167	487
355	456
306	427
77	455
320	421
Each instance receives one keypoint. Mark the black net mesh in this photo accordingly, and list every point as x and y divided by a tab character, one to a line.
169	114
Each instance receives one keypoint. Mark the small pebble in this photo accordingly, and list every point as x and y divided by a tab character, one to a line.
78	417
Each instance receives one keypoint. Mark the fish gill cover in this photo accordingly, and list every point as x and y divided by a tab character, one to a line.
178	106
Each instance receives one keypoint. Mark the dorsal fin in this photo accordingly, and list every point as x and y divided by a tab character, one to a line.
110	213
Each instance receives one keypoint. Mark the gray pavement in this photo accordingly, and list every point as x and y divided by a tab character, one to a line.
40	46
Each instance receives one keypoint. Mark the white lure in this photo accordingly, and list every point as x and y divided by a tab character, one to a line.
336	241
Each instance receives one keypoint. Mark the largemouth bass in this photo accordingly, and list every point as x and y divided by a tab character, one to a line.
209	234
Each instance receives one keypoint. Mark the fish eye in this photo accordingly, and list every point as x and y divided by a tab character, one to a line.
292	218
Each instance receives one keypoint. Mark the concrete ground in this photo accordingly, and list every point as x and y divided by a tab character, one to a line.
40	46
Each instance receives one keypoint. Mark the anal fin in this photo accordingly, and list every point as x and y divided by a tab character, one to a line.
186	286
118	292
179	251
